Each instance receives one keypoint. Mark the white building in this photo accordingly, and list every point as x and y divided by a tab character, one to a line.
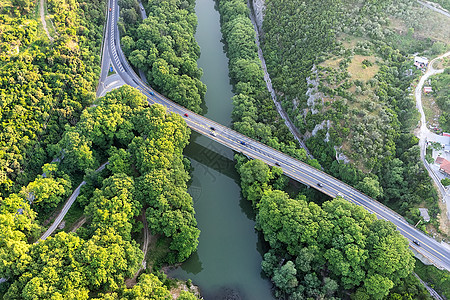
420	62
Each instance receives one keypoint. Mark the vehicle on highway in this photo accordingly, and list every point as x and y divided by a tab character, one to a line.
186	115
110	9
339	194
243	143
151	93
320	184
212	128
212	133
277	164
416	242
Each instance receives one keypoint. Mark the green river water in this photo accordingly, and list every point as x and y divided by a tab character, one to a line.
227	264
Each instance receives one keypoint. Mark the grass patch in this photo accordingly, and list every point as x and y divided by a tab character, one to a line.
157	253
362	68
111	72
74	214
435	278
332	63
429	109
48	20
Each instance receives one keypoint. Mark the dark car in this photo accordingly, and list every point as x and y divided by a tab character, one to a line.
320	184
277	164
186	115
243	143
416	242
212	128
151	93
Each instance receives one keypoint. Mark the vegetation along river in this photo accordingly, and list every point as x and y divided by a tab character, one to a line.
227	264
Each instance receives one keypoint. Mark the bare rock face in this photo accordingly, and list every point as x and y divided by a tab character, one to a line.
258	9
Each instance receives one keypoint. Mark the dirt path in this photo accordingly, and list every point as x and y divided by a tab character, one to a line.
78	224
424	134
44	24
130	282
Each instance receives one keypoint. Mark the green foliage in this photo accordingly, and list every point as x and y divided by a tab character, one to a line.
164	47
44	86
439	280
440	86
114	206
445	181
314	47
254	113
354	248
17	225
256	177
371	187
146	170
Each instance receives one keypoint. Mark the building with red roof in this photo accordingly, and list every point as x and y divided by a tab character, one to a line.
444	165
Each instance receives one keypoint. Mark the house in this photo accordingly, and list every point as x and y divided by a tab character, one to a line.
427	89
439	160
444	165
420	62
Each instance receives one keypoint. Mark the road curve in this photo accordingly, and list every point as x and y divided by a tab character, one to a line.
297	170
424	133
66	207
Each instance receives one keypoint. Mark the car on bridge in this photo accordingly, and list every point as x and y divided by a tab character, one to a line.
243	143
320	184
416	242
151	93
186	115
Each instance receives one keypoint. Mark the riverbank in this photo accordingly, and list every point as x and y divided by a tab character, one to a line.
227	263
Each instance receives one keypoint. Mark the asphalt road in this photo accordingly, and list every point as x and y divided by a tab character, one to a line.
66	207
297	170
436	9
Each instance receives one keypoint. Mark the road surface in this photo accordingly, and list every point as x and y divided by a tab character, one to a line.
297	170
436	9
66	207
424	133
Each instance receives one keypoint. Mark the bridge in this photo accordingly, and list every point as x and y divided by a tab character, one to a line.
435	252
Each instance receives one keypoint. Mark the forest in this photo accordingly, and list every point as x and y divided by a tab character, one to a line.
146	173
254	113
344	75
327	251
44	85
164	48
298	36
54	134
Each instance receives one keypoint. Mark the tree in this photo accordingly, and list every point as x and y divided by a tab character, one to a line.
46	193
109	259
284	277
445	181
114	206
76	152
148	287
371	187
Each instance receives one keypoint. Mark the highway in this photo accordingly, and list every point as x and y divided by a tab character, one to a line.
295	169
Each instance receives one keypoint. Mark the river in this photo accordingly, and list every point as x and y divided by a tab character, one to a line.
227	264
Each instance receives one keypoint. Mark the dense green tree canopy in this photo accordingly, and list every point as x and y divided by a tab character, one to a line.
339	239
